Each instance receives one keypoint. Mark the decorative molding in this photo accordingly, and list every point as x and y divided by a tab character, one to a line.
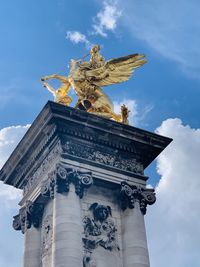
94	136
60	179
32	180
129	194
99	230
109	157
33	156
29	215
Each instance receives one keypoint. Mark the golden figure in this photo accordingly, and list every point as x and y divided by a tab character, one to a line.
86	78
60	95
124	114
96	59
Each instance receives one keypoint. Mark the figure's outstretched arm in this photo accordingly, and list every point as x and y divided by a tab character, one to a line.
54	76
50	88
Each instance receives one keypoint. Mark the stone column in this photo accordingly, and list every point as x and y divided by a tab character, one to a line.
66	187
67	229
28	221
133	202
32	244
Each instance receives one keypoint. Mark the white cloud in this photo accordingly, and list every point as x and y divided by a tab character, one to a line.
77	37
9	198
106	19
173	222
9	193
171	28
11	242
9	138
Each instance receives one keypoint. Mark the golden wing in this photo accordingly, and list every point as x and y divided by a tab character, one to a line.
116	70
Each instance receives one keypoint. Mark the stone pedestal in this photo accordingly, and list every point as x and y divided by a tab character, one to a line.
84	187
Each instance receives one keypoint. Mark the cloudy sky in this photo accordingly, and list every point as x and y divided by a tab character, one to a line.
38	39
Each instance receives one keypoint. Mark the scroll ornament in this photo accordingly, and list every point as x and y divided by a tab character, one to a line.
29	215
129	194
60	179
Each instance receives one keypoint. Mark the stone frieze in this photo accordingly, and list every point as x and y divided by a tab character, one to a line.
109	157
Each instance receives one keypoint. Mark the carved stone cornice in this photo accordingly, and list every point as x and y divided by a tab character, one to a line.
34	155
43	168
60	179
103	155
131	149
129	194
29	215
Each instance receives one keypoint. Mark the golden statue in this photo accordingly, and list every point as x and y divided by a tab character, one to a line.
60	95
87	77
124	114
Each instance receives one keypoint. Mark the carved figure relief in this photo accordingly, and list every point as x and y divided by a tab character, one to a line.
99	230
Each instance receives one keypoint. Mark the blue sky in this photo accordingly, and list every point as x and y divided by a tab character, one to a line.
38	39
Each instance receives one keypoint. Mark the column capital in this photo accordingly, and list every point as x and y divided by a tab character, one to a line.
29	215
129	194
59	180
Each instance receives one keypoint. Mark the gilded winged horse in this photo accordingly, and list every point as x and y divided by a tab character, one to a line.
87	78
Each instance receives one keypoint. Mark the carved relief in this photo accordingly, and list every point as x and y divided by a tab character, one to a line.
29	215
99	230
43	167
47	235
108	157
60	179
34	155
129	194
